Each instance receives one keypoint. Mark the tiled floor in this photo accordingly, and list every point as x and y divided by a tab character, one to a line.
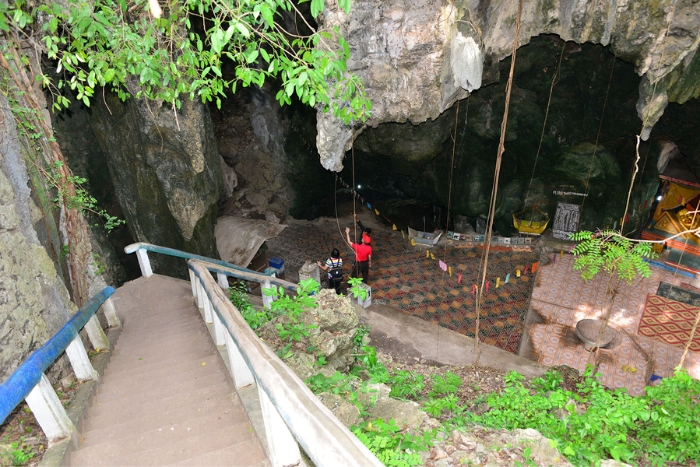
561	298
403	278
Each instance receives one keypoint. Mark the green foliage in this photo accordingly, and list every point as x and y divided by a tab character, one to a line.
658	427
70	191
445	405
611	252
356	289
392	445
238	294
105	43
337	383
21	452
405	384
449	384
291	328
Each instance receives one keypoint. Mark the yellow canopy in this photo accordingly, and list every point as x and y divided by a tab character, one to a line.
677	195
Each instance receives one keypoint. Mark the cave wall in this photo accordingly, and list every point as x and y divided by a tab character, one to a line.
165	170
417	57
594	92
34	302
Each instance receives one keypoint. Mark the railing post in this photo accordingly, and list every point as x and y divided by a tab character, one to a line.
111	314
267	299
200	293
283	448
207	306
242	376
193	283
97	336
219	330
144	263
48	411
222	279
80	361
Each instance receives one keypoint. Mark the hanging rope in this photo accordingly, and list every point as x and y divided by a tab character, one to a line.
555	79
597	138
494	190
449	190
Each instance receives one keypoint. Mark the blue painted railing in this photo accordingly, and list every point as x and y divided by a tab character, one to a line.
182	254
14	390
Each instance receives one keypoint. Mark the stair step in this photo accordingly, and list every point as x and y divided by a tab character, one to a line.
188	448
251	456
143	326
167	405
153	353
94	430
171	315
134	359
144	367
156	341
167	433
171	383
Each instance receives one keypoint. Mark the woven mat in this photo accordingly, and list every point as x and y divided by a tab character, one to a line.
669	321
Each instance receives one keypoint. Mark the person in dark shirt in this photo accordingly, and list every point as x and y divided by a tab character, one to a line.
363	229
363	256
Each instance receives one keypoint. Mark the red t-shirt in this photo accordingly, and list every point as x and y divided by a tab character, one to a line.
362	251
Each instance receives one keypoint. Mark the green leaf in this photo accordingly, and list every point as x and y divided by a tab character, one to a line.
243	29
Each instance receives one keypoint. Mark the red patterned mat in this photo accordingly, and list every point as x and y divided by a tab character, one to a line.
669	321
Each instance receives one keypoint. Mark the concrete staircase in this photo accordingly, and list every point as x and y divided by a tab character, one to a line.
166	397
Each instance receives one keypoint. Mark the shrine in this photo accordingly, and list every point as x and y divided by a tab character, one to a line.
675	213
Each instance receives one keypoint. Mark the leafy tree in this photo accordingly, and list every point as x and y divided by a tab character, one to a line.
611	252
121	45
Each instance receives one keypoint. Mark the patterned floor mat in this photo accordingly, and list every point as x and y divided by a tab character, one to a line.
669	321
403	278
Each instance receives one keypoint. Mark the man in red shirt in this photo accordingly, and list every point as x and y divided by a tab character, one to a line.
363	256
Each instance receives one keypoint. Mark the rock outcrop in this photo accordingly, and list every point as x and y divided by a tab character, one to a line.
165	169
34	302
418	57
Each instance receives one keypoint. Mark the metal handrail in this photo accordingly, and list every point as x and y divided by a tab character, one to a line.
291	411
134	247
21	382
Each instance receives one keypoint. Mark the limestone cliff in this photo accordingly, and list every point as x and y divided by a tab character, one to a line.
34	302
165	169
417	57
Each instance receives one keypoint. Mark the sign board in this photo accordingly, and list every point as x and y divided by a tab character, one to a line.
566	220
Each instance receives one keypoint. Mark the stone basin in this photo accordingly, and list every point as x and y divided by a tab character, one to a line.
588	329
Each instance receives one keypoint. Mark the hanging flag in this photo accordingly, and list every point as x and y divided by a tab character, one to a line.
403	235
393	227
376	211
413	243
634	211
432	256
474	289
627	217
517	273
507	278
615	226
646	203
442	265
525	271
535	267
554	260
498	282
369	206
449	270
427	253
459	278
561	254
487	286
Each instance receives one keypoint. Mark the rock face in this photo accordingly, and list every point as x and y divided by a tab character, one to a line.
165	170
34	302
417	57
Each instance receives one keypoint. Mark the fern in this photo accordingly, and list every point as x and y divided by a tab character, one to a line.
611	252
